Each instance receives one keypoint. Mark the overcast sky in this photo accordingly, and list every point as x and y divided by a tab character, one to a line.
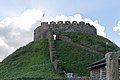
18	19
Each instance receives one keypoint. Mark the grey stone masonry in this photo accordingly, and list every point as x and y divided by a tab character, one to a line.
41	31
112	65
56	63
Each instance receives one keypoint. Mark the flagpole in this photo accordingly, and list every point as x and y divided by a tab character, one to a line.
43	16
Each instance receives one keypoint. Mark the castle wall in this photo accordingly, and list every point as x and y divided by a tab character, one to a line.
53	58
41	31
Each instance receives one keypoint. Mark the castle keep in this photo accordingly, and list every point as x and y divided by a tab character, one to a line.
41	32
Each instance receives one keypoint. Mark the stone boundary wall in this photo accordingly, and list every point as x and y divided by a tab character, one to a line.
65	39
79	78
67	26
56	63
112	64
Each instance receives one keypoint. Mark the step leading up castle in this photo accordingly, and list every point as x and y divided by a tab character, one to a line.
41	31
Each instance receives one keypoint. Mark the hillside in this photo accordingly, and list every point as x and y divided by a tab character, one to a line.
76	56
32	61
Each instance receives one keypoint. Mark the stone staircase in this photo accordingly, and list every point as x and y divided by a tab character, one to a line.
56	63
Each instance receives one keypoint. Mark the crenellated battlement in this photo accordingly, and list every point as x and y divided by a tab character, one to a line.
66	23
60	26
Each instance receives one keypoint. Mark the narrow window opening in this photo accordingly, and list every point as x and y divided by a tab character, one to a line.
54	36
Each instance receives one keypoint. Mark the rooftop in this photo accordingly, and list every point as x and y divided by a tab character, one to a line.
99	63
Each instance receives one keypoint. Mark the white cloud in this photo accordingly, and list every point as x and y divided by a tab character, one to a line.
2	43
78	17
117	27
4	49
25	20
18	31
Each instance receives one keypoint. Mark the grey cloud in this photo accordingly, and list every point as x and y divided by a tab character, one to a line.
4	51
17	31
14	41
14	36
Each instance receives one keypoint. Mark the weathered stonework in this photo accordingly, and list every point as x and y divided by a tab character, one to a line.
53	58
41	31
112	64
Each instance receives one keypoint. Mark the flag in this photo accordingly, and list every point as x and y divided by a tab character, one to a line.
43	14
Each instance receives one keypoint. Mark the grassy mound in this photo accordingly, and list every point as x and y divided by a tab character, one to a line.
94	42
75	58
31	61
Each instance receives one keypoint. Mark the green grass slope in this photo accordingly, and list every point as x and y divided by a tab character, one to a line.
32	62
28	62
75	58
